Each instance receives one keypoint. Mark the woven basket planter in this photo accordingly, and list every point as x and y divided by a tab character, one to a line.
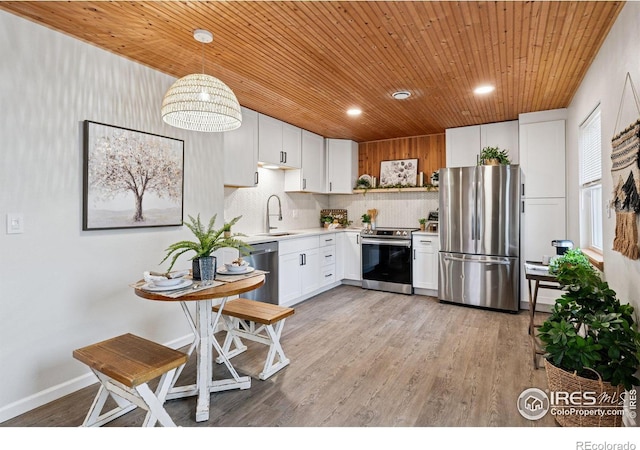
562	381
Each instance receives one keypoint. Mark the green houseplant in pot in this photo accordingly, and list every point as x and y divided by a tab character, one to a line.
494	156
366	220
208	240
590	340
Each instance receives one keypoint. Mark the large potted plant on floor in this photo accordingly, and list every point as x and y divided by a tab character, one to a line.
591	342
208	240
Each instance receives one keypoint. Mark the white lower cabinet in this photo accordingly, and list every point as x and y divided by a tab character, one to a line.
298	269
349	257
425	261
327	257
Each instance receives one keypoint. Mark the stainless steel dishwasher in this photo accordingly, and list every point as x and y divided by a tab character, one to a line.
264	257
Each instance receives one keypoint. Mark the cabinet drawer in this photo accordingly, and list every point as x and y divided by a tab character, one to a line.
328	275
426	244
297	245
328	255
328	239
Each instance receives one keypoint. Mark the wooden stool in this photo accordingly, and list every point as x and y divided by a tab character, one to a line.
241	316
124	365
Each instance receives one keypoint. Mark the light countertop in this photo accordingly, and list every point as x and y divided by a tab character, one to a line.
294	234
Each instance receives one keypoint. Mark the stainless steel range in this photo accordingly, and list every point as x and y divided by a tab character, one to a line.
386	259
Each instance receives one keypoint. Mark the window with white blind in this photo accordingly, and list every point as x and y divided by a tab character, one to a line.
590	151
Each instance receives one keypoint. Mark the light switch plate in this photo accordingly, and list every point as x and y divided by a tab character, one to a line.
15	223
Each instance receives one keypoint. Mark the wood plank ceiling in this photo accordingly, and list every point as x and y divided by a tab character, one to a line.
307	62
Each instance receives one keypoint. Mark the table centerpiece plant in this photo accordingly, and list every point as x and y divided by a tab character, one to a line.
590	334
208	240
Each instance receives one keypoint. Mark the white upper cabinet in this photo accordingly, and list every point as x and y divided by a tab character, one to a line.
311	177
241	152
542	159
463	144
342	166
503	135
291	145
279	143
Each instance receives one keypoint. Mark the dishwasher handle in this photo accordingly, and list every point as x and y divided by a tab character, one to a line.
261	249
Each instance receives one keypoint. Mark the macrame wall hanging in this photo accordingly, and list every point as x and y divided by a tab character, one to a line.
625	170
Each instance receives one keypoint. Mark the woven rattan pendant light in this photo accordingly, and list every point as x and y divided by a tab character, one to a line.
200	102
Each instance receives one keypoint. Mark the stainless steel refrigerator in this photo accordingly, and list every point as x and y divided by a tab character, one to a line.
480	236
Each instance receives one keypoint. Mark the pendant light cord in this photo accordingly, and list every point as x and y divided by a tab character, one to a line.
203	58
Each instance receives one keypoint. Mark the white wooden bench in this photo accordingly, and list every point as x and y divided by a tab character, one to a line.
124	365
259	322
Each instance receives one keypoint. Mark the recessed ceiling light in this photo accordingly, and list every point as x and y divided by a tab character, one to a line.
401	95
483	89
354	111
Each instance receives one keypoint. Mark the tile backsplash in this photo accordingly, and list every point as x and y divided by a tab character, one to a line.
395	209
300	210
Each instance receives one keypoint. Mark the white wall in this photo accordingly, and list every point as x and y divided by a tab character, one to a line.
61	287
604	84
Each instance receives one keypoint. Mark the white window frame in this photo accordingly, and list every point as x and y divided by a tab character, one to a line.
590	162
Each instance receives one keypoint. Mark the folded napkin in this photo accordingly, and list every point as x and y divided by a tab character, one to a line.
153	276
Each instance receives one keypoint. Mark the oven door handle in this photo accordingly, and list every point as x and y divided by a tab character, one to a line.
387	242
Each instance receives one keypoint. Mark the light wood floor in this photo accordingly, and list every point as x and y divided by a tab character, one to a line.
363	358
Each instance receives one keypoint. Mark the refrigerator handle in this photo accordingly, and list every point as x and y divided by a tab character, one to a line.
523	189
473	227
480	261
522	206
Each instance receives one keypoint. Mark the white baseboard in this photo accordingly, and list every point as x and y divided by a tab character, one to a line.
65	388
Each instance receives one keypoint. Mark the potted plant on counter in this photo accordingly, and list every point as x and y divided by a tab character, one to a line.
493	156
423	224
208	240
591	340
326	221
366	220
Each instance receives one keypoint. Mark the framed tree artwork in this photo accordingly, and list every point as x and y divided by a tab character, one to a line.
132	179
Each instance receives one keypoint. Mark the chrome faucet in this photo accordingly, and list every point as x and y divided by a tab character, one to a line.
269	227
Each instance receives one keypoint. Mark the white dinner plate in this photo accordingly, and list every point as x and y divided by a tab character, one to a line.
153	288
224	271
368	178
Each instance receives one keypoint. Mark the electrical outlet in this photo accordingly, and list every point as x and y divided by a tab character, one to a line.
15	223
294	213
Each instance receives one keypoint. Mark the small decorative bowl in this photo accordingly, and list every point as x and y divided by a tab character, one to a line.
167	282
235	267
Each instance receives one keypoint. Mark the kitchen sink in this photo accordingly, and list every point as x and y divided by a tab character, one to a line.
277	233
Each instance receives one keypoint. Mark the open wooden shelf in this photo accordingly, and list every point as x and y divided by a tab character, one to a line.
407	189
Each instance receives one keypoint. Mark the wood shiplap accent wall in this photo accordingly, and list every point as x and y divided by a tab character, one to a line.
430	151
